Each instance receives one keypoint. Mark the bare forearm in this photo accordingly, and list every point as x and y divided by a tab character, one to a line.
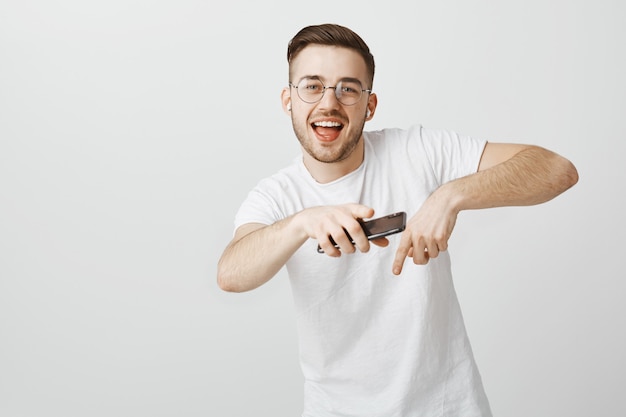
258	252
256	257
533	176
517	175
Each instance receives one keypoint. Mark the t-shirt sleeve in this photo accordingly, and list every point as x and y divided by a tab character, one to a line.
258	207
451	155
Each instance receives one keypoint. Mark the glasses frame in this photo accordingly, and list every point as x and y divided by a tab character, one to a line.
324	88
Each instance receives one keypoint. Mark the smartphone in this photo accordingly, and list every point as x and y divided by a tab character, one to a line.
379	227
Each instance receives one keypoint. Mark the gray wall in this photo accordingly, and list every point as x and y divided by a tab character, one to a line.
130	131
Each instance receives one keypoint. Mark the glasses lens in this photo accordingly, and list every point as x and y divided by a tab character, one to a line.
348	92
310	90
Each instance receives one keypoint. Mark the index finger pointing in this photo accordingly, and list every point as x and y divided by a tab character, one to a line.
401	253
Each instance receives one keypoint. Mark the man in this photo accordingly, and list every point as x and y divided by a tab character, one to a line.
379	335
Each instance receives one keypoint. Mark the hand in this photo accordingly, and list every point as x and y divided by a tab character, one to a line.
427	232
323	222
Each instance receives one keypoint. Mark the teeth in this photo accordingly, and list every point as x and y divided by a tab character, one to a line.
327	124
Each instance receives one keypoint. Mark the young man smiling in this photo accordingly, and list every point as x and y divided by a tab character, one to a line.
379	335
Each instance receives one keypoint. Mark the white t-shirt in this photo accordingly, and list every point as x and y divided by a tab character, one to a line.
373	344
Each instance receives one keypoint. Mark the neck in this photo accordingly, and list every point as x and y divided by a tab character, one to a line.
325	172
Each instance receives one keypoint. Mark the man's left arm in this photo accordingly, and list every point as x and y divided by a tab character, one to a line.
508	175
515	175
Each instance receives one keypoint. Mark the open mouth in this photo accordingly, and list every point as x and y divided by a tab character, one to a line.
327	130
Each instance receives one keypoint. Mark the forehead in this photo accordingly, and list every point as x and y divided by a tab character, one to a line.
330	63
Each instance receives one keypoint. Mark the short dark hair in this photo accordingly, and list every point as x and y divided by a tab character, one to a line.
331	35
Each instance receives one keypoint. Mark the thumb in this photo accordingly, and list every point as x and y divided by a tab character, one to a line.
361	211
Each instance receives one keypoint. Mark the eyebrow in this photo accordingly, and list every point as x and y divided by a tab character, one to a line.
317	77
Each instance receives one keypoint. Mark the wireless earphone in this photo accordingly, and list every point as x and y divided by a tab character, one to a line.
368	113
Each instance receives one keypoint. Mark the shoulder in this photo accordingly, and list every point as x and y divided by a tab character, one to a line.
265	202
393	137
393	133
278	193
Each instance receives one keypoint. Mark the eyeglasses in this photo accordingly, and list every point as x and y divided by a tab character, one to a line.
348	92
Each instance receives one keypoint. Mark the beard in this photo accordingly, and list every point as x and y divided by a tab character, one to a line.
331	153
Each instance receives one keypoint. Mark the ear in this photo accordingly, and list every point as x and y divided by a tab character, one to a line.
285	98
372	102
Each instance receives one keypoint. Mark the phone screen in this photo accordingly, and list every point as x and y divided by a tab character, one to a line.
379	227
384	226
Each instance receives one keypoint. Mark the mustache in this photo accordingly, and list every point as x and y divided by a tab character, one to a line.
331	113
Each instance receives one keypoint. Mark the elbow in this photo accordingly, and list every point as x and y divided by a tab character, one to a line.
573	175
228	286
562	171
564	176
570	175
224	284
226	279
231	279
227	283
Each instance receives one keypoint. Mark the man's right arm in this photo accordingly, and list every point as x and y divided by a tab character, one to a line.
257	251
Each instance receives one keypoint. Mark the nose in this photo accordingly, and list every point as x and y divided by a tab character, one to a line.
329	98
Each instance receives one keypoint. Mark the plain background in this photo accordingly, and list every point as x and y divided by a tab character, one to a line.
130	132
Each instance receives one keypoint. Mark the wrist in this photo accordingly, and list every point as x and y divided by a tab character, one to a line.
454	196
297	225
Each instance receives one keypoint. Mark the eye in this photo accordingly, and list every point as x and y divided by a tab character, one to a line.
311	85
350	88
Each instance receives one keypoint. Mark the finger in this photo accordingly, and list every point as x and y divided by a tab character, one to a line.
401	253
357	236
381	241
420	254
329	248
432	250
344	242
360	211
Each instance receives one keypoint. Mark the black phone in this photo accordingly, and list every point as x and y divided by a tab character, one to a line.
379	227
